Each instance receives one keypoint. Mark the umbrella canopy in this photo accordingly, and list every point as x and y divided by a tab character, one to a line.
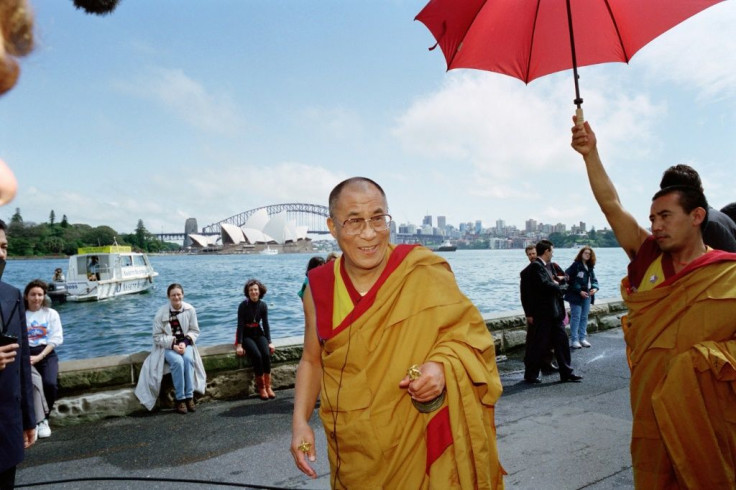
527	39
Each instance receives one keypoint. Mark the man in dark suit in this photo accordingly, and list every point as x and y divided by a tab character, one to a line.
541	297
17	420
547	365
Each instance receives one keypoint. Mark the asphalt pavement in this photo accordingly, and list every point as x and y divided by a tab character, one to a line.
554	435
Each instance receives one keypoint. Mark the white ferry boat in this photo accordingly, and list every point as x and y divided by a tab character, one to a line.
269	251
97	273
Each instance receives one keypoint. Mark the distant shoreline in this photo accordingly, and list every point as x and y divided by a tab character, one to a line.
65	257
37	257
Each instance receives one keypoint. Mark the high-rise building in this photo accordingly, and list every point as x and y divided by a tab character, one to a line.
427	220
190	226
531	225
582	226
441	223
478	227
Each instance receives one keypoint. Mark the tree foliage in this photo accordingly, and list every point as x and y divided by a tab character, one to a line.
30	239
595	239
16	218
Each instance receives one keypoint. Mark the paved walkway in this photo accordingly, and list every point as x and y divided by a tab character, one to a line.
550	436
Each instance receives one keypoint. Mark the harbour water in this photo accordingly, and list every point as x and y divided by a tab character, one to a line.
214	285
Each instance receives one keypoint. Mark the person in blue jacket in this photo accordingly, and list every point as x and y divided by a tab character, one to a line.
581	294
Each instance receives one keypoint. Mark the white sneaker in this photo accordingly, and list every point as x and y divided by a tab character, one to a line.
43	429
585	343
576	345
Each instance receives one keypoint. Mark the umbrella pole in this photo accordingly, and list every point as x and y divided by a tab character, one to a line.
580	119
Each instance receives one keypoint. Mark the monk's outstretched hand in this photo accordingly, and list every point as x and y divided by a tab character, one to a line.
429	385
303	450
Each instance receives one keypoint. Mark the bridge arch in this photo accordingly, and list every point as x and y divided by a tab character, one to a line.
313	216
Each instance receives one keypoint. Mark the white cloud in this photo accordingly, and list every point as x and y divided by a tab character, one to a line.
699	53
210	193
506	130
188	99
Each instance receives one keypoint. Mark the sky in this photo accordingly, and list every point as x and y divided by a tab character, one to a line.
171	109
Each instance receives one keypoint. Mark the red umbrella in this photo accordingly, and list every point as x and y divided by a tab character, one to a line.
527	39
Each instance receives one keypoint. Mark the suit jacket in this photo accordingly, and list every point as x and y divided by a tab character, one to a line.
16	390
540	295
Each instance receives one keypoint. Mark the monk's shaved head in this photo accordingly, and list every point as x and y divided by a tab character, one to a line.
356	182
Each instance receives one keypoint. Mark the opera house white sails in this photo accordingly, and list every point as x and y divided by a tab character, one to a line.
259	229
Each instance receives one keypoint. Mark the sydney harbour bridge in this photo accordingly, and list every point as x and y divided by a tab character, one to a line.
313	216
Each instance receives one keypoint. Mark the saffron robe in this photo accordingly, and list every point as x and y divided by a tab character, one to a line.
413	314
681	342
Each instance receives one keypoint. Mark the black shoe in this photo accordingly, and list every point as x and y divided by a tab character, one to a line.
571	378
551	369
532	381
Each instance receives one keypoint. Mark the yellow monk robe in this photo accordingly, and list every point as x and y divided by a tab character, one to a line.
681	338
376	437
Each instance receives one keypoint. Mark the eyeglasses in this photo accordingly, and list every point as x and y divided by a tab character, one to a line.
355	226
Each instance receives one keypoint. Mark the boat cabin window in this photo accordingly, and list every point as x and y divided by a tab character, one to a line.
93	267
126	261
138	260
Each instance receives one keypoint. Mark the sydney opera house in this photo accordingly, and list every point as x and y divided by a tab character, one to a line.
260	233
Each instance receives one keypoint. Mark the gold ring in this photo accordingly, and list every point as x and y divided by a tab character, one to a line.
304	446
414	372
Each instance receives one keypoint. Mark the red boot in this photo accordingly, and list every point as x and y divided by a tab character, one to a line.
269	390
261	386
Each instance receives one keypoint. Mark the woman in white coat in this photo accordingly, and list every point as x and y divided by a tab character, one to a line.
175	333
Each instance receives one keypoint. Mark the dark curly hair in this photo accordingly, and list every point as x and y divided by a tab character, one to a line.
261	288
579	257
36	283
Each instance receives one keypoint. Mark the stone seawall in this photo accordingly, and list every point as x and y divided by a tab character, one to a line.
101	387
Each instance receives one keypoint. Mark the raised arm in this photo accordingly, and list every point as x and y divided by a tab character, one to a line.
628	232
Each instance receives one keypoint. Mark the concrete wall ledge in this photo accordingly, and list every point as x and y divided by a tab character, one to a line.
92	389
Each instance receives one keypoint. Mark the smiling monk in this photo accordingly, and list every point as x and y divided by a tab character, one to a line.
680	334
403	362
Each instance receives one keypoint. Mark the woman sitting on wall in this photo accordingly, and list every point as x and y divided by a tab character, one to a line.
254	336
44	336
175	333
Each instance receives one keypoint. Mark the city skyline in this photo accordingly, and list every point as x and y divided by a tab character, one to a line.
530	225
167	110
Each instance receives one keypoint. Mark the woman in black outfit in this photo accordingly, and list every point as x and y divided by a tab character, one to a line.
253	337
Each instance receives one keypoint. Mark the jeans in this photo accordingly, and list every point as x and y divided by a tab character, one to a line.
182	372
579	320
48	368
